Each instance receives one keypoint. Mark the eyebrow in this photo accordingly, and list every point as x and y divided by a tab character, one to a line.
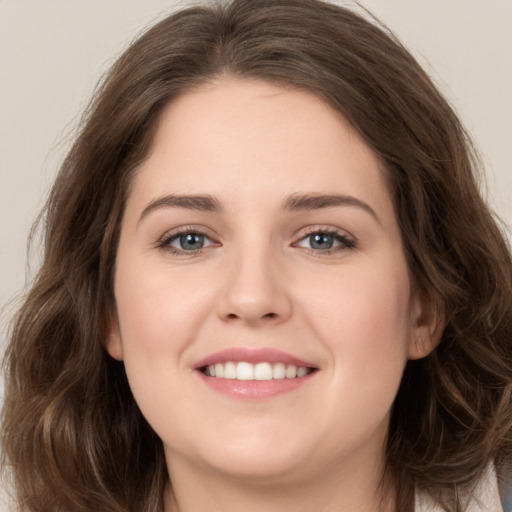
202	203
308	202
295	202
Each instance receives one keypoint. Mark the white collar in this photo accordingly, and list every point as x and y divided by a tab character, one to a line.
484	498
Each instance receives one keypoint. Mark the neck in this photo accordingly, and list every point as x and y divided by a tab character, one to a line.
357	488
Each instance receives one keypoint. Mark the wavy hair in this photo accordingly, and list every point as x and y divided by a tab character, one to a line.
73	438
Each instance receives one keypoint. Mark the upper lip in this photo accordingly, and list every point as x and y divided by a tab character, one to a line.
251	355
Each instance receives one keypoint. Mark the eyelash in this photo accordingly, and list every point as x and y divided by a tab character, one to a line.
345	242
168	238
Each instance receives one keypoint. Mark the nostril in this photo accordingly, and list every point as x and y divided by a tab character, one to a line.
266	317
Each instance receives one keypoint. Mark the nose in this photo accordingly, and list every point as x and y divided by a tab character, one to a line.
256	291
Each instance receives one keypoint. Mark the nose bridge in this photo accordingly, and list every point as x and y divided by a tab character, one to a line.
255	289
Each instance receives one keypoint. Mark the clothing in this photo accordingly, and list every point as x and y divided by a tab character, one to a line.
485	498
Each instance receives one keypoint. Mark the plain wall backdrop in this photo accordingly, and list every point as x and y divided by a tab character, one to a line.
53	52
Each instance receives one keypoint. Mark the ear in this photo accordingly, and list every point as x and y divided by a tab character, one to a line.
427	324
113	342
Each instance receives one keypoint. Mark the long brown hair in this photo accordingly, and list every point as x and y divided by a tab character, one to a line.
73	437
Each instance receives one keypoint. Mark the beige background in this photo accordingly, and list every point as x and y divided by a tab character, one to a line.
52	53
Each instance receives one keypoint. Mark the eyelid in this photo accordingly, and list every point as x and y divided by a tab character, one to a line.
348	241
164	241
324	228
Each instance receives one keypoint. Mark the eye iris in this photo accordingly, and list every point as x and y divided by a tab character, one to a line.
321	241
191	241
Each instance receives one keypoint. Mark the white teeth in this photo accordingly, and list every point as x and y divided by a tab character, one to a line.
219	370
259	371
291	371
263	371
245	371
279	371
301	372
230	371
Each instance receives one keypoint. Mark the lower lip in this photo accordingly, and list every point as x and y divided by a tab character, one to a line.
254	389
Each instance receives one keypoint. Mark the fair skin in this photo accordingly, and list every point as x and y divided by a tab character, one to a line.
225	245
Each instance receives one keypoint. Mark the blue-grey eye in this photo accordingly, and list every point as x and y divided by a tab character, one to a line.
189	241
325	241
321	241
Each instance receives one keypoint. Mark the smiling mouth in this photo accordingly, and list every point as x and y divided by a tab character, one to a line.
263	371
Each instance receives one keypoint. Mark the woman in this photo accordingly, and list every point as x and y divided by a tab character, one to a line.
269	282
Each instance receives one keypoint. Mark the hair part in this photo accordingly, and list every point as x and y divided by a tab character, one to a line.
73	435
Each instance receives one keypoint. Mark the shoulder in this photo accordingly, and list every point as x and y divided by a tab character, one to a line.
484	498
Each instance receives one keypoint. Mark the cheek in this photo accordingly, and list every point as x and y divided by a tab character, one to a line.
363	319
159	310
159	317
379	309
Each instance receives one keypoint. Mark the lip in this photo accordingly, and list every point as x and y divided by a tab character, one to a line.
253	356
253	389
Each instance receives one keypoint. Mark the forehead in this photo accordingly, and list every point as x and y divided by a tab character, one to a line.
232	135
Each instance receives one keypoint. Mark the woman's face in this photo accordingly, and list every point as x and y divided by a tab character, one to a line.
259	243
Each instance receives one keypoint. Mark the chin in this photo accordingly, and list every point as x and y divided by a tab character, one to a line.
270	468
262	459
